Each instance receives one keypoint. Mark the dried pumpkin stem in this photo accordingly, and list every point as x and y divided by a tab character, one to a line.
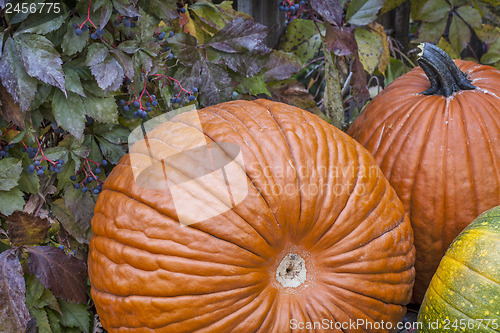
445	77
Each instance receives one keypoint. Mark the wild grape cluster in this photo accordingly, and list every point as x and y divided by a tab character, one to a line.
4	151
140	110
88	175
295	9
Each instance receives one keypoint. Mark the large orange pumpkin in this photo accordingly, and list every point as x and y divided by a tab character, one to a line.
320	236
435	133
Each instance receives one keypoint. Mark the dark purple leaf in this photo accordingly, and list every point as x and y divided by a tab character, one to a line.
216	84
241	35
108	74
27	229
18	83
126	7
330	10
185	48
125	61
64	275
10	111
245	63
358	82
189	76
164	10
281	65
340	40
14	314
41	60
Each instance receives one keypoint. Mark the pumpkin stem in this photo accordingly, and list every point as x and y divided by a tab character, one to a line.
445	77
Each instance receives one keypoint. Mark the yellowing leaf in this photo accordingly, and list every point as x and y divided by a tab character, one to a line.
373	48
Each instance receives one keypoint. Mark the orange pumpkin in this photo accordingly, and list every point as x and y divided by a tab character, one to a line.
319	237
435	133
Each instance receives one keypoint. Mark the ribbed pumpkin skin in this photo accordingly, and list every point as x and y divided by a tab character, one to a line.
441	155
149	273
467	282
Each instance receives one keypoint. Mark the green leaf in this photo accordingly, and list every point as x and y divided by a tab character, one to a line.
125	7
446	47
96	54
106	11
34	290
81	232
11	201
211	15
164	10
42	24
302	39
129	46
363	12
10	171
47	299
459	35
125	61
470	15
56	153
108	74
113	133
29	183
18	83
434	11
252	85
41	96
54	320
42	322
431	31
67	171
69	113
75	315
103	110
19	137
72	43
370	48
41	60
111	152
73	82
185	47
391	4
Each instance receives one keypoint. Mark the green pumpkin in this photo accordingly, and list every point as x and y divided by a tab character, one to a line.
464	294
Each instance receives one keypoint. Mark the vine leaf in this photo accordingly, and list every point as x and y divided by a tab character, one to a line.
64	275
18	83
68	113
240	35
281	65
70	43
215	84
41	60
11	201
96	54
10	111
73	82
42	24
27	229
103	110
363	12
14	314
330	10
185	48
302	39
10	171
75	315
108	74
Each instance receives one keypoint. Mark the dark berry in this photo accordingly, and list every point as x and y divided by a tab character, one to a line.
161	35
97	170
149	109
136	104
122	102
171	34
147	104
126	108
127	81
116	23
172	100
191	98
136	114
31	168
153	97
84	189
178	100
78	32
170	56
104	162
126	23
154	103
133	25
143	114
302	3
282	8
73	177
297	6
96	191
36	163
195	90
40	172
2	153
43	168
93	35
75	25
52	168
90	179
61	247
135	18
85	28
183	10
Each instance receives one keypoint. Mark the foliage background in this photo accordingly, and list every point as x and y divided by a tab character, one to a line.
69	101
